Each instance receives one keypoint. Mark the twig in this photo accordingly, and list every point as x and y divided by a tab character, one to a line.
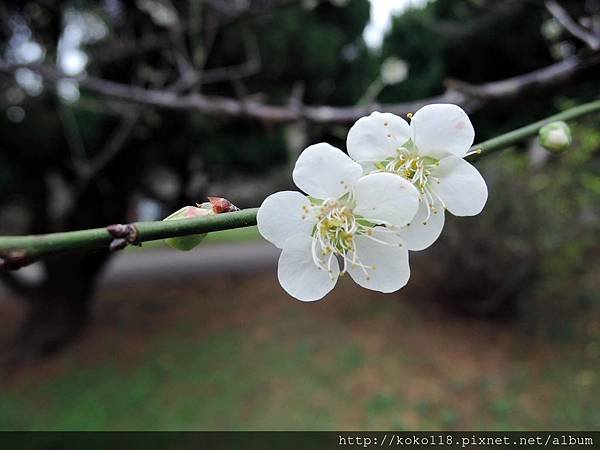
17	251
563	17
109	152
233	72
72	136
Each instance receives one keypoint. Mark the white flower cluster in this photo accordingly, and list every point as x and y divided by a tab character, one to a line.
365	211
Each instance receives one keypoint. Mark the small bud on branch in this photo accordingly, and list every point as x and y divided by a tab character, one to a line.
555	136
215	205
123	235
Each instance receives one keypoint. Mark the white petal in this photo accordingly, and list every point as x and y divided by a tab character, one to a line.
441	130
461	187
376	137
420	234
390	270
300	276
386	197
323	171
281	215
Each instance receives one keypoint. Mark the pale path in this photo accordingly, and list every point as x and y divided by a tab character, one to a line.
164	264
215	259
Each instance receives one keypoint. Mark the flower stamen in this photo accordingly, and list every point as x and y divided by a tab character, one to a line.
335	231
418	170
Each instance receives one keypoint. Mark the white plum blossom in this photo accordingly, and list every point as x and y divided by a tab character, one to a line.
346	217
429	153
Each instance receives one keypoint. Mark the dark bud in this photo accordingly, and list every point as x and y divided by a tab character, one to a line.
123	234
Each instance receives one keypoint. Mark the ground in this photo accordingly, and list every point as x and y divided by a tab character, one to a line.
235	352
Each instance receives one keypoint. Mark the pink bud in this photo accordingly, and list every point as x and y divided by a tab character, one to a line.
222	205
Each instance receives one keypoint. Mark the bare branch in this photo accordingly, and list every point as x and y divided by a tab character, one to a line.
72	136
471	98
235	9
116	49
563	17
183	59
112	148
248	68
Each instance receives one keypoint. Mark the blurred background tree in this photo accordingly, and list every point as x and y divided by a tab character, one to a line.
71	158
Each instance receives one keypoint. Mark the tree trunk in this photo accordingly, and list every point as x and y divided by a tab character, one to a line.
59	313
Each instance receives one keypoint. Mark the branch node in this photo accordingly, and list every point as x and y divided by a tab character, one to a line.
124	235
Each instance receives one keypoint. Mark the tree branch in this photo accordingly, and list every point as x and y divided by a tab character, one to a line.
110	150
19	251
471	99
563	17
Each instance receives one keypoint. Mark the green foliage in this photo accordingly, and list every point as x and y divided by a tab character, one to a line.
535	245
569	200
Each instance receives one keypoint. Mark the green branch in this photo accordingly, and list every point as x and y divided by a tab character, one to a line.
18	251
520	134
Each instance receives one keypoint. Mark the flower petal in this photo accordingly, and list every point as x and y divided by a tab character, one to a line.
323	171
441	130
385	197
376	137
389	263
420	234
281	215
300	276
461	187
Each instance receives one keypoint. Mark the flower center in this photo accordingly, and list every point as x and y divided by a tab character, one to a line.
335	232
415	168
419	171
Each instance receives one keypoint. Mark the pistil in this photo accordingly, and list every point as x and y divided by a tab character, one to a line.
335	231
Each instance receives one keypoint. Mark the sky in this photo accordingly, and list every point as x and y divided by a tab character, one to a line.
381	18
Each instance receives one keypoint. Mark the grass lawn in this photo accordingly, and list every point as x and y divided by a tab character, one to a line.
237	353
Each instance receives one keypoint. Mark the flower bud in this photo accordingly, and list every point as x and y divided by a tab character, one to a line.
186	243
219	205
393	70
555	136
